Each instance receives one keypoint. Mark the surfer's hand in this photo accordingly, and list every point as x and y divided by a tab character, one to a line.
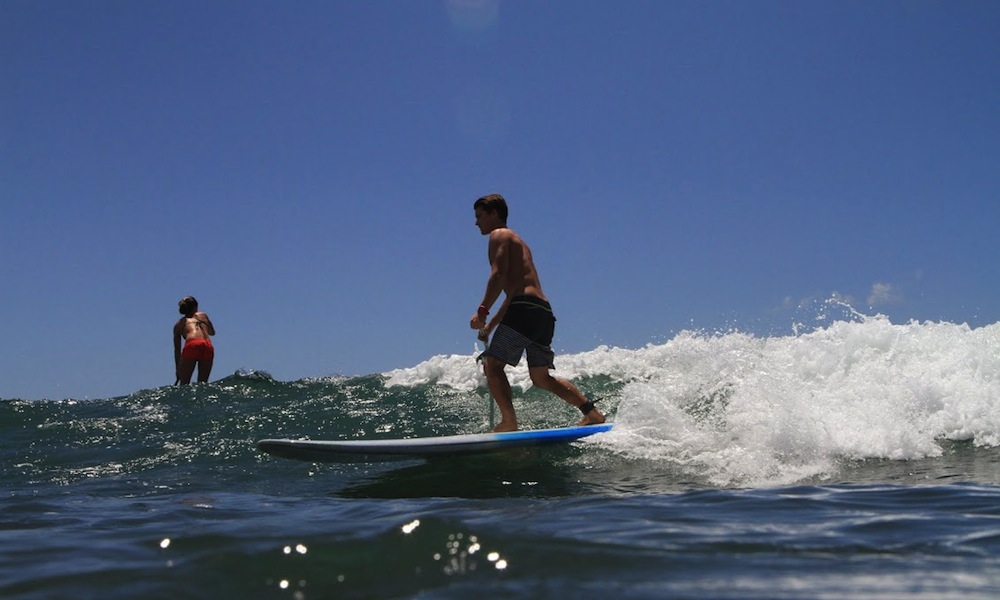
477	322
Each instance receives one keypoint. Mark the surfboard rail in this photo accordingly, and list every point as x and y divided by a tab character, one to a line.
422	447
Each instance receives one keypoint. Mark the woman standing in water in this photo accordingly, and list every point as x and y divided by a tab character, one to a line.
194	328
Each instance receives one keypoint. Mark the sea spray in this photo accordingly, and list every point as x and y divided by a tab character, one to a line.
742	410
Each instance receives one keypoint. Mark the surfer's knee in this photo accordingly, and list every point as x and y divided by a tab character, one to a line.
541	377
492	364
545	383
494	367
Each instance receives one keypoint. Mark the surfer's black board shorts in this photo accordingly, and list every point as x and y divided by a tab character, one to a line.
527	327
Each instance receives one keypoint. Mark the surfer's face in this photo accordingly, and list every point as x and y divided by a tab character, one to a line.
487	221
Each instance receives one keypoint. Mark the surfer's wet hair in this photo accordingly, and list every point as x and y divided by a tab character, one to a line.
187	306
493	203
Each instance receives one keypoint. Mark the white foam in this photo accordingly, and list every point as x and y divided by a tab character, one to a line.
747	410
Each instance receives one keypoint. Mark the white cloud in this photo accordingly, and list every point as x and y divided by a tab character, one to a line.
882	293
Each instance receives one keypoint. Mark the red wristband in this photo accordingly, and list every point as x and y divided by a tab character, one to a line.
483	311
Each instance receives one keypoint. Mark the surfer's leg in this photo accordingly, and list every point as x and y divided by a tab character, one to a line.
496	378
184	370
541	377
204	369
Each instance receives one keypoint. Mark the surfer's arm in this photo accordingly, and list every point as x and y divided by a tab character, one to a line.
497	318
209	327
499	267
177	343
499	262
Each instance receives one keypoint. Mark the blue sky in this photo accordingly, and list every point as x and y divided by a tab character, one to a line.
307	171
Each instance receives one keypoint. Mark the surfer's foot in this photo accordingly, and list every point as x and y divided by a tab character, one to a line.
505	426
591	416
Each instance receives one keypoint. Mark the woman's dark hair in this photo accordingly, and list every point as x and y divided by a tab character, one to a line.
187	306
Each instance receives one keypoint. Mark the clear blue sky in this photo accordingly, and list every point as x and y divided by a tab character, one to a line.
307	170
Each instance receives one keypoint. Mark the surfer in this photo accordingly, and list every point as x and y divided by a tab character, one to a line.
194	328
524	323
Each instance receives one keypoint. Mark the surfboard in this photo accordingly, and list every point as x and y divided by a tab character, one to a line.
423	447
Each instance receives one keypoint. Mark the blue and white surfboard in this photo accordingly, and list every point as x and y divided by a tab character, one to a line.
401	449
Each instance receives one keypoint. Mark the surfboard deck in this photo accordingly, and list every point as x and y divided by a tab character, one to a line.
425	447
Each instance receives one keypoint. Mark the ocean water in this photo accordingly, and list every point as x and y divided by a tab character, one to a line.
860	459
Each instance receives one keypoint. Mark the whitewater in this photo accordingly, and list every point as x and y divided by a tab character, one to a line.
741	410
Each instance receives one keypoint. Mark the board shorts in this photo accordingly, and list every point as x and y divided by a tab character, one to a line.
527	327
198	349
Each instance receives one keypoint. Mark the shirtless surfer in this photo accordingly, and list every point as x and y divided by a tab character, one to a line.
524	322
194	328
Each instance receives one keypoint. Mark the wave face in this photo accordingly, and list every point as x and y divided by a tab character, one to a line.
717	410
860	459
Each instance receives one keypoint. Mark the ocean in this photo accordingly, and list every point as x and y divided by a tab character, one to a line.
860	459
